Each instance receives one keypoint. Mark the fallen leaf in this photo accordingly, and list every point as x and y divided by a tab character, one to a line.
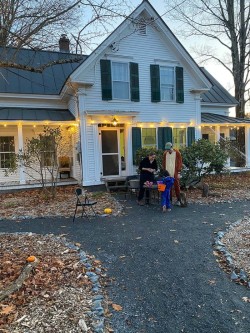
176	241
78	244
246	299
116	307
122	257
7	309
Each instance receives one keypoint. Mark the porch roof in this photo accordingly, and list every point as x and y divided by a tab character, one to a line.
212	118
35	114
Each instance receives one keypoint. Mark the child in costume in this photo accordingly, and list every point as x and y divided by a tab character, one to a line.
166	194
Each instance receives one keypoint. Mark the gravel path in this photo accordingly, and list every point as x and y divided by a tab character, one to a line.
164	273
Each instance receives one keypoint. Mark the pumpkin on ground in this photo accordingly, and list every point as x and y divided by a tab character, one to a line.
31	259
107	210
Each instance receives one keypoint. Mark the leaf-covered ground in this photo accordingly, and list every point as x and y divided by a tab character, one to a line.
34	203
43	303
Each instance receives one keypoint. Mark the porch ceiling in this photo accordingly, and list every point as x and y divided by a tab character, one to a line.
35	114
212	118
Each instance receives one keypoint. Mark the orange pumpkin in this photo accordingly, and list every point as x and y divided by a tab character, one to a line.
31	259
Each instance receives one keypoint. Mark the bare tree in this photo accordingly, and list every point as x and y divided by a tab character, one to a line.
38	24
227	24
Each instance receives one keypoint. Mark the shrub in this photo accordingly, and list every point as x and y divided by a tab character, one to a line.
202	158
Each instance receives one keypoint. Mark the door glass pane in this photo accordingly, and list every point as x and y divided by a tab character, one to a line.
110	165
109	142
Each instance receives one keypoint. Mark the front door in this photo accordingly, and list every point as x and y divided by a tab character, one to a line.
110	152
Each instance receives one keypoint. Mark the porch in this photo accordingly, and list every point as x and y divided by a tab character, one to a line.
15	185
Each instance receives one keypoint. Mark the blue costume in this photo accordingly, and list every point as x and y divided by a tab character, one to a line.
165	196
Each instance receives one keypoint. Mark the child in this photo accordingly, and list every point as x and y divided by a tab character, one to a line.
165	195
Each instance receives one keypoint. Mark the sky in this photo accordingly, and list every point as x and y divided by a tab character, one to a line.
218	71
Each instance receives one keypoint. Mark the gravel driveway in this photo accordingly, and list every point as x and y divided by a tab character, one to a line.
163	270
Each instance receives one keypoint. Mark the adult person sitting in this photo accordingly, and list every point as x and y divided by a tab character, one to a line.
147	167
172	162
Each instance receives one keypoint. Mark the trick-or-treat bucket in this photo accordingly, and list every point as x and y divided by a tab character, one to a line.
161	187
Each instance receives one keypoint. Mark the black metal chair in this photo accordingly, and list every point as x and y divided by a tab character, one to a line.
84	202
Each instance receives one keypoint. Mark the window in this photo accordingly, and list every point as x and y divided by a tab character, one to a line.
120	80
148	137
179	137
167	85
7	148
48	154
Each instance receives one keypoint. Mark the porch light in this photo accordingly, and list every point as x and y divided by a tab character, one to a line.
114	121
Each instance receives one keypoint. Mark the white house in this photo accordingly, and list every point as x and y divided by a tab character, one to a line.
139	88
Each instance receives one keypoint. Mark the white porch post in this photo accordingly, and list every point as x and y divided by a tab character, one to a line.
129	153
197	116
217	133
83	134
247	141
22	179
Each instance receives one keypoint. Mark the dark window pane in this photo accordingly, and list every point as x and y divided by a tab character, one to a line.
109	142
110	165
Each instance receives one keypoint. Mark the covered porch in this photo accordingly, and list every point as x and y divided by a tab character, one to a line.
215	127
17	125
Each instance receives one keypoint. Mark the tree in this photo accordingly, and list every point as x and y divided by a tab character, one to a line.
200	159
227	24
38	24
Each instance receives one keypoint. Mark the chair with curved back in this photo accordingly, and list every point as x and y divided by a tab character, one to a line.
83	201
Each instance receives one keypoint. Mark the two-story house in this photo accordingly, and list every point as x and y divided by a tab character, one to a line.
138	88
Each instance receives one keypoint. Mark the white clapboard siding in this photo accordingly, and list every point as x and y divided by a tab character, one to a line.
143	50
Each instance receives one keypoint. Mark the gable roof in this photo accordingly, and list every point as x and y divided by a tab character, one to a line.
157	21
49	82
217	94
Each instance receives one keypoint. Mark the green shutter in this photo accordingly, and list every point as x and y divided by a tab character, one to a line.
136	141
164	135
179	85
155	83
106	80
134	82
190	135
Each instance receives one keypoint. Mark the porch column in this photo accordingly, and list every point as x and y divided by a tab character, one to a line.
247	144
22	179
217	133
197	116
129	154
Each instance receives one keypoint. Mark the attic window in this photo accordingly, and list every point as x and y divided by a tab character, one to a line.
142	28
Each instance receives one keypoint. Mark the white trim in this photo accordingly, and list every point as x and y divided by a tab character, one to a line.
20	149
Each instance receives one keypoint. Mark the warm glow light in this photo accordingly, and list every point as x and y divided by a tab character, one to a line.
5	125
34	126
114	121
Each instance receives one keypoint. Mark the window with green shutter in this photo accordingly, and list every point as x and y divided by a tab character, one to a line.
136	141
155	83
165	134
179	85
190	135
119	80
134	82
166	83
106	80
